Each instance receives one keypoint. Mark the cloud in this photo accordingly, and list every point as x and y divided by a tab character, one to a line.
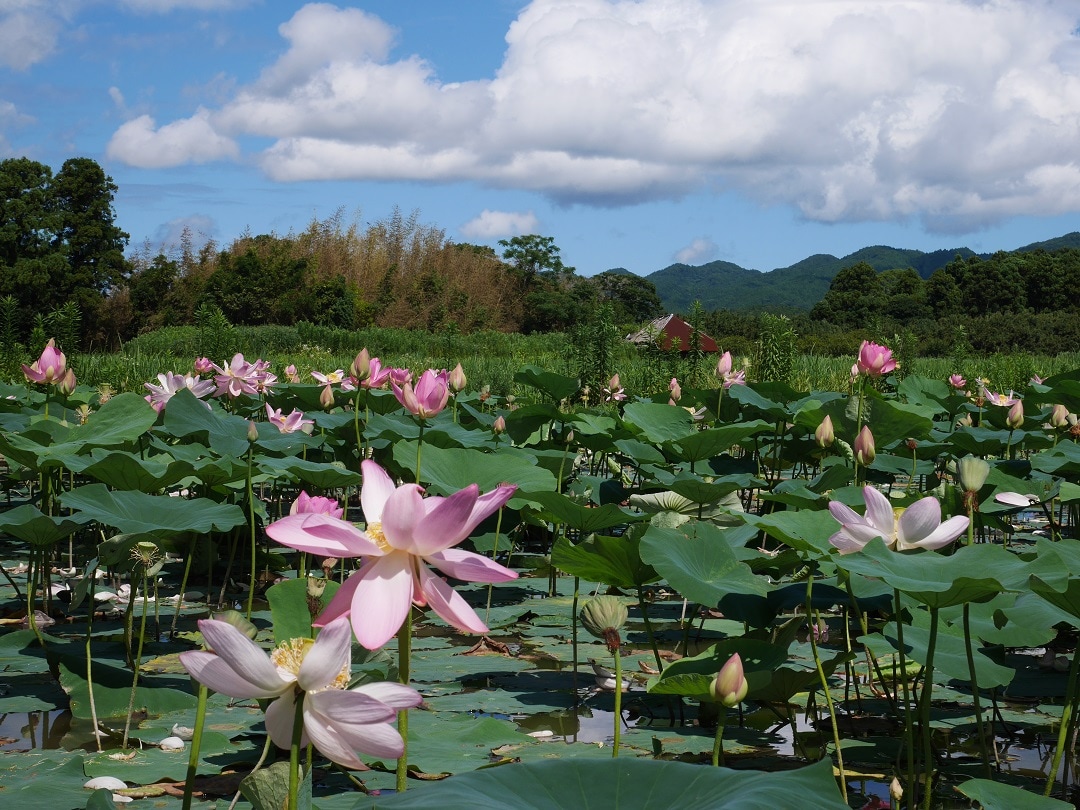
497	224
954	112
190	140
697	252
28	33
165	6
199	227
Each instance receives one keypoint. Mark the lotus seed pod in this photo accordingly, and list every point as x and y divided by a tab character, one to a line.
603	617
972	473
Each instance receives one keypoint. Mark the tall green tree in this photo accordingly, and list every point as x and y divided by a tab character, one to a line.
533	255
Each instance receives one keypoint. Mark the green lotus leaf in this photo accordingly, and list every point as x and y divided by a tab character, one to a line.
311	473
803	530
447	470
123	470
553	385
712	442
640	452
135	512
612	560
659	423
187	416
626	783
1000	796
28	523
698	562
290	608
585	519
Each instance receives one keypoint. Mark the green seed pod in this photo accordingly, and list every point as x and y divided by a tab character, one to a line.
603	613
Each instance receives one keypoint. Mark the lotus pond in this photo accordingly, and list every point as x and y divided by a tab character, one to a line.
887	580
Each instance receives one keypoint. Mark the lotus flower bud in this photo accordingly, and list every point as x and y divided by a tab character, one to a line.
252	432
203	365
675	389
361	366
896	792
457	380
729	687
724	365
326	398
499	425
49	367
864	446
66	384
875	360
825	435
1015	419
972	473
1059	416
603	617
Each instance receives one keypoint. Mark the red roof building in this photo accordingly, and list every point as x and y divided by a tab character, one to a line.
671	331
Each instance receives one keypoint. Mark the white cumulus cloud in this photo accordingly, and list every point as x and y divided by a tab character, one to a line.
958	112
497	224
140	143
697	252
28	33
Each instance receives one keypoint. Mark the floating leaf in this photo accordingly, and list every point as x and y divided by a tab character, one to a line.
134	512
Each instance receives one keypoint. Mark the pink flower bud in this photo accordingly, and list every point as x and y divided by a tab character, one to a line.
361	366
499	426
252	432
957	381
675	389
729	687
457	379
864	446
1015	419
723	365
65	386
825	435
326	398
1059	416
203	365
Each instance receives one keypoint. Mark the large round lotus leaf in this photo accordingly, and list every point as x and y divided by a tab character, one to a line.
628	784
133	512
997	796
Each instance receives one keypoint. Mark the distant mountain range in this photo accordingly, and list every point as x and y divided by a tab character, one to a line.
723	285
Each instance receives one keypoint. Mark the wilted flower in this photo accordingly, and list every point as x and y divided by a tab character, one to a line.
404	531
50	367
1036	379
614	392
729	687
875	360
339	722
918	526
289	424
864	446
824	436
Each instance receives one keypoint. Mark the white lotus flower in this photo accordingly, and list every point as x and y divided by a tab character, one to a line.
918	526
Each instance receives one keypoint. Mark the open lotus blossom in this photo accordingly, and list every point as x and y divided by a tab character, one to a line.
289	424
957	381
400	376
875	360
315	504
430	395
1002	399
377	374
50	367
239	377
171	383
404	533
339	722
918	526
335	377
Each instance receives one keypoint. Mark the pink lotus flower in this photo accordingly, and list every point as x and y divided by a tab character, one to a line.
729	687
172	383
404	531
614	392
1002	399
1036	379
203	365
918	526
400	376
377	375
864	446
1015	417
825	435
875	360
291	374
724	365
360	368
957	382
50	367
430	396
676	391
333	378
239	377
457	380
315	505
65	386
289	424
735	378
339	722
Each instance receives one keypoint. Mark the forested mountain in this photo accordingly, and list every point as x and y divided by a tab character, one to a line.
723	285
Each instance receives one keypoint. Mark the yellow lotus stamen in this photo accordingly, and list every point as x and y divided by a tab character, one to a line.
375	534
289	655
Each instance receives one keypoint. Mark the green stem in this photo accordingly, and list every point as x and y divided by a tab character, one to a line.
812	616
925	697
975	691
718	739
89	657
294	753
251	520
574	624
494	555
643	605
908	725
183	587
138	660
404	658
618	702
419	450
1066	716
196	744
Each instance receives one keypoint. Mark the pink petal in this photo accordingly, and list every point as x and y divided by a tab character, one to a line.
327	657
341	604
845	543
378	740
375	491
395	695
442	526
279	718
488	504
879	512
470	567
863	533
321	534
216	674
448	603
400	514
942	535
844	513
918	521
383	599
243	655
1014	499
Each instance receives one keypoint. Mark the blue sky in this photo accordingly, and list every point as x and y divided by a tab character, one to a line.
635	132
